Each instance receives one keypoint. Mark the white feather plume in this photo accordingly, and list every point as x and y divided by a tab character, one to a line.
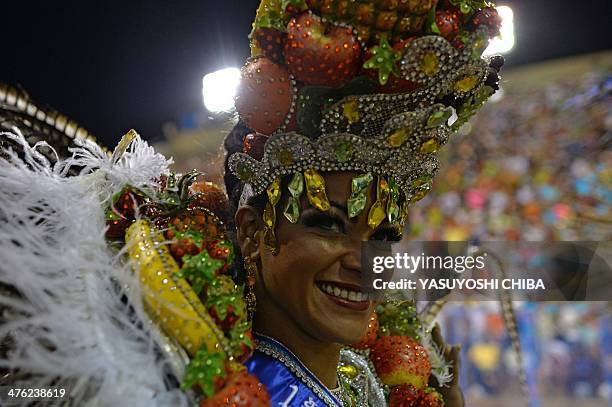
69	325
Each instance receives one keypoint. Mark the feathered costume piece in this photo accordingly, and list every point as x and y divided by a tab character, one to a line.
65	315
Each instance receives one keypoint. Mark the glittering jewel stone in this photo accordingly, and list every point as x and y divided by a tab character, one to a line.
393	211
361	182
479	46
285	157
274	191
430	146
420	194
439	118
398	137
269	215
315	190
351	111
355	205
376	214
466	84
343	152
349	371
292	210
244	172
296	185
430	64
383	189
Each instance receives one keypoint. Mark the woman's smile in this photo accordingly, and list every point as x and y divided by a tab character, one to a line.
345	295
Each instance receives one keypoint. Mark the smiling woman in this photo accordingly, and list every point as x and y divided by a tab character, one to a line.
256	301
342	110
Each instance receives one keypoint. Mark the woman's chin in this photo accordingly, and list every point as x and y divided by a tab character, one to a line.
342	321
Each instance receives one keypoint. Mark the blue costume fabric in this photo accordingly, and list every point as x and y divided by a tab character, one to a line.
288	382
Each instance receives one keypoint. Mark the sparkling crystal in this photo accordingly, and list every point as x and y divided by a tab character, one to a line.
296	185
351	111
376	214
343	152
361	182
430	146
398	137
393	211
355	205
349	371
292	210
315	190
430	64
466	84
285	156
274	191
269	215
439	118
244	172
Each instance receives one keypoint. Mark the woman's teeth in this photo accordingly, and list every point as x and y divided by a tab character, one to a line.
345	294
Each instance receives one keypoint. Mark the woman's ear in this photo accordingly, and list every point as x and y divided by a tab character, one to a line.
248	223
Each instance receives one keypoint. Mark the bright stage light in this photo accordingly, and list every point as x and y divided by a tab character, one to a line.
505	41
219	89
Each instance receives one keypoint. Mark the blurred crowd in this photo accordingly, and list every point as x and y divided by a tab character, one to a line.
534	165
566	348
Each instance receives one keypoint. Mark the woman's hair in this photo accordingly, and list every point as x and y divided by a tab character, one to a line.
234	143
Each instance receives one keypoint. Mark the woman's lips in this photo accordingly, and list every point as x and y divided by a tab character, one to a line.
346	295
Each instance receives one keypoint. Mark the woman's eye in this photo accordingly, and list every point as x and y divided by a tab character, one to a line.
388	234
324	222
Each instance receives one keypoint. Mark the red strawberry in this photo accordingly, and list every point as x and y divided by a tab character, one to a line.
317	53
242	389
230	317
122	212
405	396
448	23
270	42
188	230
401	360
264	95
490	18
433	399
371	334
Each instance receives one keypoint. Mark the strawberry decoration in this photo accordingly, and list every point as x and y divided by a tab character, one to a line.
318	53
405	396
241	390
433	398
270	42
121	213
401	360
264	96
371	334
447	22
409	396
490	18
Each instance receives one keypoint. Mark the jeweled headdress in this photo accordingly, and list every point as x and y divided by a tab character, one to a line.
372	86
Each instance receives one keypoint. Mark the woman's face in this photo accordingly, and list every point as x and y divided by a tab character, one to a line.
316	276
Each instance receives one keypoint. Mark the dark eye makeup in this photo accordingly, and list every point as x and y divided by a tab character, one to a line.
387	233
327	221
